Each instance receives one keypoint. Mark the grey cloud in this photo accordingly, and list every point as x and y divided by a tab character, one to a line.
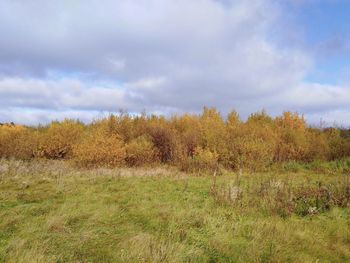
160	55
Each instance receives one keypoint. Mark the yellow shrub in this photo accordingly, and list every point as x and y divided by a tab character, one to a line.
100	149
250	145
189	133
292	143
338	145
26	144
213	130
17	142
191	141
57	141
252	153
202	160
140	151
318	146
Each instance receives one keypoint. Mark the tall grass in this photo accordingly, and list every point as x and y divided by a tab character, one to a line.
53	212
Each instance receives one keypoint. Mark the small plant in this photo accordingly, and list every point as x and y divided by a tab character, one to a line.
226	194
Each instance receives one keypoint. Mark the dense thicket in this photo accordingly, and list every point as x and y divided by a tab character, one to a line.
192	142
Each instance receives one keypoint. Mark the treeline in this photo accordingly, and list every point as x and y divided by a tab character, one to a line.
191	142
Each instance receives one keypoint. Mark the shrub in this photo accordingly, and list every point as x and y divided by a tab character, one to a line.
339	146
140	151
251	145
213	131
164	139
184	140
8	135
202	160
188	128
292	143
100	149
25	145
252	153
58	139
318	146
18	142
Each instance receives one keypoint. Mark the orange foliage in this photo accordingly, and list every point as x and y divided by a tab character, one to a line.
193	142
17	141
292	141
141	151
58	139
98	148
202	160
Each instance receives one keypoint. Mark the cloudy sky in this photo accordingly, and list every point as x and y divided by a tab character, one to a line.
85	58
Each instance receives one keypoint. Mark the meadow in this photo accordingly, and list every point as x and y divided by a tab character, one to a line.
52	211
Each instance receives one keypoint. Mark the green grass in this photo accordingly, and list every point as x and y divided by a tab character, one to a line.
50	213
333	167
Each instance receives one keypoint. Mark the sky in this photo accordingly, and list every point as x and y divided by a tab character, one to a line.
87	58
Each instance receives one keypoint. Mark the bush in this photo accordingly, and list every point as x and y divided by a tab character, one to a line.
339	146
164	139
140	151
100	149
189	139
202	160
252	145
18	142
253	154
318	147
58	139
292	143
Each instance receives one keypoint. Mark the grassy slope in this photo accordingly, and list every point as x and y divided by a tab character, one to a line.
107	216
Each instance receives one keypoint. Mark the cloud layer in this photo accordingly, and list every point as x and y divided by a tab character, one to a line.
80	58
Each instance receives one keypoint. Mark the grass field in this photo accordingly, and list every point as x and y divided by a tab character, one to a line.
50	212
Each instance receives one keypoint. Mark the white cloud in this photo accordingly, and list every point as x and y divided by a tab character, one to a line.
60	94
339	118
317	97
34	116
159	55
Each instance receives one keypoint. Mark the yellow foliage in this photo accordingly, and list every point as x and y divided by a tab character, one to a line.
318	146
188	128
291	121
164	139
338	146
202	160
193	142
292	143
18	142
58	139
213	130
140	151
251	145
98	148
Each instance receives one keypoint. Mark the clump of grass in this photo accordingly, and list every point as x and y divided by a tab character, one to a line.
341	166
284	198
